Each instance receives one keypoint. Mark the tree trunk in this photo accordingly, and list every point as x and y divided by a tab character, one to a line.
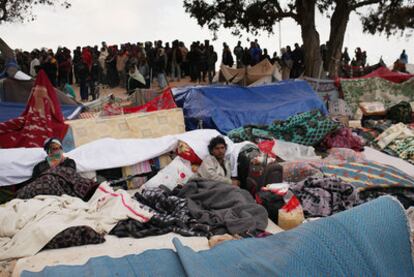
339	22
310	37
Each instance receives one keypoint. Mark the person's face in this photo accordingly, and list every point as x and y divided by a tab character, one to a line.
54	148
219	151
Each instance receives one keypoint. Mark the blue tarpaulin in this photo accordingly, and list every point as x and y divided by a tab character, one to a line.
228	107
10	110
370	240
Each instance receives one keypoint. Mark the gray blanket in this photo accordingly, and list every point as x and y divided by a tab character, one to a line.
228	209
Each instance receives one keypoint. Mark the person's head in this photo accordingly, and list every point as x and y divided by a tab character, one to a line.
265	51
239	43
132	69
53	146
217	147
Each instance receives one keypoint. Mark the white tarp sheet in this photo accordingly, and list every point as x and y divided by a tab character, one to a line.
16	164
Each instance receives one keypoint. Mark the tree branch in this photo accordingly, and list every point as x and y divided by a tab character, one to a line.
364	3
3	8
284	14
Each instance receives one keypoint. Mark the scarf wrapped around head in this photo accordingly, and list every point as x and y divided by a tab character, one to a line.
48	143
54	159
137	76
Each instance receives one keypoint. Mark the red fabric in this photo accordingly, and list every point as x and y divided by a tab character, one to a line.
343	138
111	109
291	205
41	119
163	102
187	153
87	57
385	73
267	147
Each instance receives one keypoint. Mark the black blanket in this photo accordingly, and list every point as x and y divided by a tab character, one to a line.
171	214
58	181
226	208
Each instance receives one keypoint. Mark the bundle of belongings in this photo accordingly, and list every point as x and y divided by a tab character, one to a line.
322	164
291	171
201	208
308	128
83	212
388	130
377	237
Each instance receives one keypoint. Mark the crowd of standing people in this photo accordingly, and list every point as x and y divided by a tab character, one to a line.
135	65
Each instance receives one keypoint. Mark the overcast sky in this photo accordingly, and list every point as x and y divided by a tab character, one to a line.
90	22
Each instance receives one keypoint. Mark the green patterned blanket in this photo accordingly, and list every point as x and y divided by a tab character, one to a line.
376	90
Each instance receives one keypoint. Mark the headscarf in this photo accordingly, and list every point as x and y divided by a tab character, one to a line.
54	159
48	143
137	76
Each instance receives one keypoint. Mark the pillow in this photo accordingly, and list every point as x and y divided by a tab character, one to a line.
372	108
187	153
177	172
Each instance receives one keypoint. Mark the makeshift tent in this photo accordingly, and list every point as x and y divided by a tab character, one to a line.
9	110
13	90
369	240
349	71
256	74
41	119
385	73
228	107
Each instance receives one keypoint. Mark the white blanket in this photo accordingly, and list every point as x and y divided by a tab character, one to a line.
26	226
16	164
